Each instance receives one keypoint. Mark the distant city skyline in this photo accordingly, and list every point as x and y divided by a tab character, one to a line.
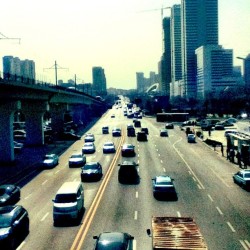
121	37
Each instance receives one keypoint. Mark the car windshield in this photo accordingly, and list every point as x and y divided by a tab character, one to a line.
90	166
88	145
164	183
76	156
48	157
65	198
5	221
247	175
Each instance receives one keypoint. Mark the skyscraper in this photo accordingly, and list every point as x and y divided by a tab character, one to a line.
176	71
199	19
99	81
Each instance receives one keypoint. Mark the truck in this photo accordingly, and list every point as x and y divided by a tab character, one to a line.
176	233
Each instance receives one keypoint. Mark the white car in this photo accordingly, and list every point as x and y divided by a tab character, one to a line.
108	147
77	160
89	138
88	148
50	160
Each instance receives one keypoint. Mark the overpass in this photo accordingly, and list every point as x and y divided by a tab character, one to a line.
34	100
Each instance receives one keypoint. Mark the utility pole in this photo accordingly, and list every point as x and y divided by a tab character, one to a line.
55	66
3	37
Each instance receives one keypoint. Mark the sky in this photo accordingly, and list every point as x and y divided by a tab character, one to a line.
122	36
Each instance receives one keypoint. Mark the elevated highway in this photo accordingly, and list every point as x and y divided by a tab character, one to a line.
33	100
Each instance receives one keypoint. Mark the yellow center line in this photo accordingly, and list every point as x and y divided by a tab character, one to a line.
78	241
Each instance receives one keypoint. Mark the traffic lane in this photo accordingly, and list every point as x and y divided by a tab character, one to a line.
207	179
49	179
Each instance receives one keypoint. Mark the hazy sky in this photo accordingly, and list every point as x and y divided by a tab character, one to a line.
117	35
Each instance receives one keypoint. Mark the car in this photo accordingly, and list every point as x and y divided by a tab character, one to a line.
137	124
91	171
18	146
191	138
163	188
89	137
19	134
88	148
145	130
128	150
50	161
142	136
108	147
128	173
116	132
105	129
68	136
114	240
77	160
242	178
14	226
9	194
230	131
164	132
130	130
169	125
113	116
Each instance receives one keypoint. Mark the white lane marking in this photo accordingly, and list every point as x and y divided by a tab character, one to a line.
164	170
136	194
138	155
134	244
161	161
44	182
136	215
210	197
194	179
138	149
57	171
21	245
157	149
189	168
245	244
220	212
231	227
178	214
44	217
138	161
199	186
27	197
159	155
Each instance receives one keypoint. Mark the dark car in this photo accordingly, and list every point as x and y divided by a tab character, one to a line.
130	130
169	125
145	130
114	241
137	124
163	188
142	136
242	178
91	171
116	132
128	173
14	226
88	148
105	129
128	150
9	194
50	160
164	132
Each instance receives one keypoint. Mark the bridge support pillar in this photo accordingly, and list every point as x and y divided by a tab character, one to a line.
7	111
34	112
57	112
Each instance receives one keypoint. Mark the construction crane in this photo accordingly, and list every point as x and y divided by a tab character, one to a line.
2	37
161	9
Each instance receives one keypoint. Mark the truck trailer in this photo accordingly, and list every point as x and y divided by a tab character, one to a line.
176	233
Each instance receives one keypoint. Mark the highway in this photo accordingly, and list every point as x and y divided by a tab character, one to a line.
203	180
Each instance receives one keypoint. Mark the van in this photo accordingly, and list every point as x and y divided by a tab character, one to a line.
68	202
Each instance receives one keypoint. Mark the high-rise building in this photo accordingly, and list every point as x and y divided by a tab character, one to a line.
199	20
140	82
247	70
99	81
176	71
165	64
214	70
17	69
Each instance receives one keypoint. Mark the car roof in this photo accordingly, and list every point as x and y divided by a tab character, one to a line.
163	178
111	239
128	163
